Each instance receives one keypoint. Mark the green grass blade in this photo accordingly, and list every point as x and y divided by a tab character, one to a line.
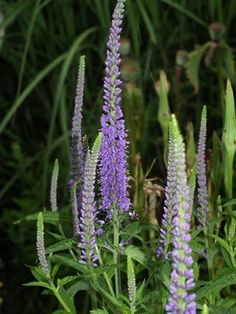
26	92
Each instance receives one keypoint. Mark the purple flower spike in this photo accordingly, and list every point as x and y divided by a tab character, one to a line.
201	172
88	210
170	200
181	301
77	148
113	164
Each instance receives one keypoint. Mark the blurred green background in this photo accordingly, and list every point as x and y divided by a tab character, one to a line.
193	42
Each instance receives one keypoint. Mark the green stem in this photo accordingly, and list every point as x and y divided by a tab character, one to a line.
209	259
116	248
104	273
59	298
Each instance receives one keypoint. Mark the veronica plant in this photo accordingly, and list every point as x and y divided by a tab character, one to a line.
202	194
170	198
129	277
88	208
77	148
180	299
113	164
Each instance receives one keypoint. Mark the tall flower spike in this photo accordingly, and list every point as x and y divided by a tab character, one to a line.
40	244
53	189
181	301
77	147
201	172
113	165
170	199
88	210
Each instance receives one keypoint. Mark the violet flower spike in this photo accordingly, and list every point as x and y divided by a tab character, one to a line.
87	231
181	301
77	147
202	194
113	163
170	200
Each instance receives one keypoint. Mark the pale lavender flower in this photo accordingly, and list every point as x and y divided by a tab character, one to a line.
40	244
181	301
113	164
53	188
87	226
202	194
170	200
77	147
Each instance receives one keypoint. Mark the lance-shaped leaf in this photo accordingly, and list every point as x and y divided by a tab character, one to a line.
163	114
229	140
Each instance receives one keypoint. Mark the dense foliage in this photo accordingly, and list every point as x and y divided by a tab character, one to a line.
124	258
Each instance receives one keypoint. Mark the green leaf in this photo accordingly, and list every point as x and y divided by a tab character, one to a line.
64	281
163	115
38	273
115	301
48	217
228	62
139	293
221	242
216	285
136	254
77	286
37	284
65	244
66	299
229	140
68	261
99	311
193	64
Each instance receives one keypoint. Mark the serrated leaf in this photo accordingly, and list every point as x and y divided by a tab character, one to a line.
115	301
221	242
136	254
139	292
193	64
37	284
48	217
218	284
78	286
65	244
64	281
64	295
68	261
38	273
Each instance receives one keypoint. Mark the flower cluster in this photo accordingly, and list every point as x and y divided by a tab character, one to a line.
201	172
113	163
87	231
182	280
77	148
169	202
